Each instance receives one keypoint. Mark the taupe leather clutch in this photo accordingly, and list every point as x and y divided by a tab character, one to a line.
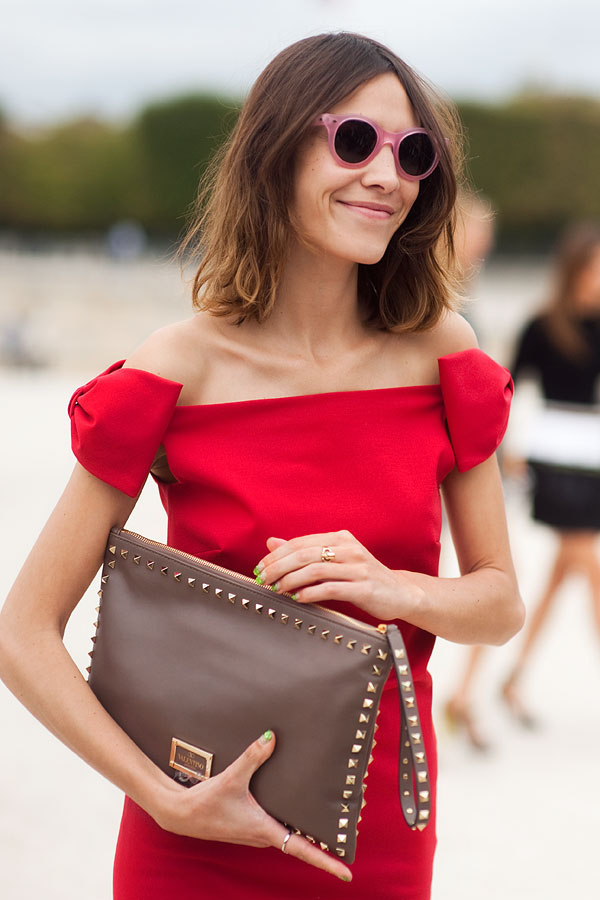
194	662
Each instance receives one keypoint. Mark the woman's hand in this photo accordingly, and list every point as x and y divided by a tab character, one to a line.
352	574
223	809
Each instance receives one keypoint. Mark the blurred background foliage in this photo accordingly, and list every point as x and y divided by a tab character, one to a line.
535	157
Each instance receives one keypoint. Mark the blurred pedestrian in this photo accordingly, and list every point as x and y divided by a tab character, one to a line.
560	348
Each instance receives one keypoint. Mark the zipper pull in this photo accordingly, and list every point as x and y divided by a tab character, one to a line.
382	629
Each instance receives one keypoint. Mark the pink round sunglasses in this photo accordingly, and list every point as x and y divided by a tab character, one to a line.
354	141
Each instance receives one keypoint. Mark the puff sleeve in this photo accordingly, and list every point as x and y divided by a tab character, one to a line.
477	393
117	424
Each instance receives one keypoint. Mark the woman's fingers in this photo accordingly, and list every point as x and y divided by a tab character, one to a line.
300	848
244	768
253	757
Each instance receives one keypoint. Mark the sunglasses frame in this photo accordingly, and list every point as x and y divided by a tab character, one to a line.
393	138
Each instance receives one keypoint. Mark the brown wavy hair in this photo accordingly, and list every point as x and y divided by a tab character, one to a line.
241	222
574	252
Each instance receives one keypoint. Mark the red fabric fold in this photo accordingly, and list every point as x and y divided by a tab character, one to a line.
477	393
118	420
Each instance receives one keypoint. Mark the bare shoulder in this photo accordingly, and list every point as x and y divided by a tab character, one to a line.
421	350
451	335
175	352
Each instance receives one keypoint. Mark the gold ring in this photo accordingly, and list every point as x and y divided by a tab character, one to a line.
327	554
285	840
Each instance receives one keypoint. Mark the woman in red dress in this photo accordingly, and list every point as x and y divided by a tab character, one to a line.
321	395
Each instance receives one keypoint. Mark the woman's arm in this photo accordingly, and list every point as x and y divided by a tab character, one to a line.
481	606
38	670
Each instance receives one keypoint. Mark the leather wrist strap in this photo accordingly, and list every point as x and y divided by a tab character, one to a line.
412	769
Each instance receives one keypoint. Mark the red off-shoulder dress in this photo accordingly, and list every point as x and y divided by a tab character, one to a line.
369	461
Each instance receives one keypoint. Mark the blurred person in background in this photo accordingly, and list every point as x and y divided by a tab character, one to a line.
560	349
320	397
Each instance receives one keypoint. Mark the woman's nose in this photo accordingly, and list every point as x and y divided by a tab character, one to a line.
382	169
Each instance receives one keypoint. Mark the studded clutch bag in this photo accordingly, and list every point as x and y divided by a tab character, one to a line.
194	661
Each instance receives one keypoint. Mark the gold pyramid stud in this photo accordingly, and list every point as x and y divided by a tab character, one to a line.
367	703
340	852
422	776
323	846
416	737
424	796
351	645
97	608
345	807
284	618
413	721
350	779
137	559
191	582
403	670
105	579
111	564
399	654
366	649
112	549
218	592
381	654
93	639
312	629
124	553
231	597
258	607
338	639
421	827
342	823
410	702
360	735
88	668
205	588
406	686
177	576
298	624
271	613
420	757
347	795
342	838
150	564
371	689
164	570
424	815
356	748
325	634
377	670
245	603
352	763
363	718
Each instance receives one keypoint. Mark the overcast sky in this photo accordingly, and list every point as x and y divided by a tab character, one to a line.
60	58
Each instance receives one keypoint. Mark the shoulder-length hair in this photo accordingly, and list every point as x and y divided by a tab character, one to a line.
575	251
241	224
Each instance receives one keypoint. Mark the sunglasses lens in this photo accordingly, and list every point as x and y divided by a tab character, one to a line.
354	141
416	154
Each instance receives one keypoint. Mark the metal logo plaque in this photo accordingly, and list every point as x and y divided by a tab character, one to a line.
190	760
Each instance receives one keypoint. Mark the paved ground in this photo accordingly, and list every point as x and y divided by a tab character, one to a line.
520	823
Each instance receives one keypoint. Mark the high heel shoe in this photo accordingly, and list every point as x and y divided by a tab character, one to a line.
515	706
459	718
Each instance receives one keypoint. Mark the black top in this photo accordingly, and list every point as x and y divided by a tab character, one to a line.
562	379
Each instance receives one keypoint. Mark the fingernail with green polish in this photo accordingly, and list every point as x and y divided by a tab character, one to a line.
275	587
260	579
267	736
295	597
258	569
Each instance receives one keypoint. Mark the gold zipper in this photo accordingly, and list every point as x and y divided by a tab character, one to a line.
381	628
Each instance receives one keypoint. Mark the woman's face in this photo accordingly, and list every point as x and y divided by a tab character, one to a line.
351	214
586	288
